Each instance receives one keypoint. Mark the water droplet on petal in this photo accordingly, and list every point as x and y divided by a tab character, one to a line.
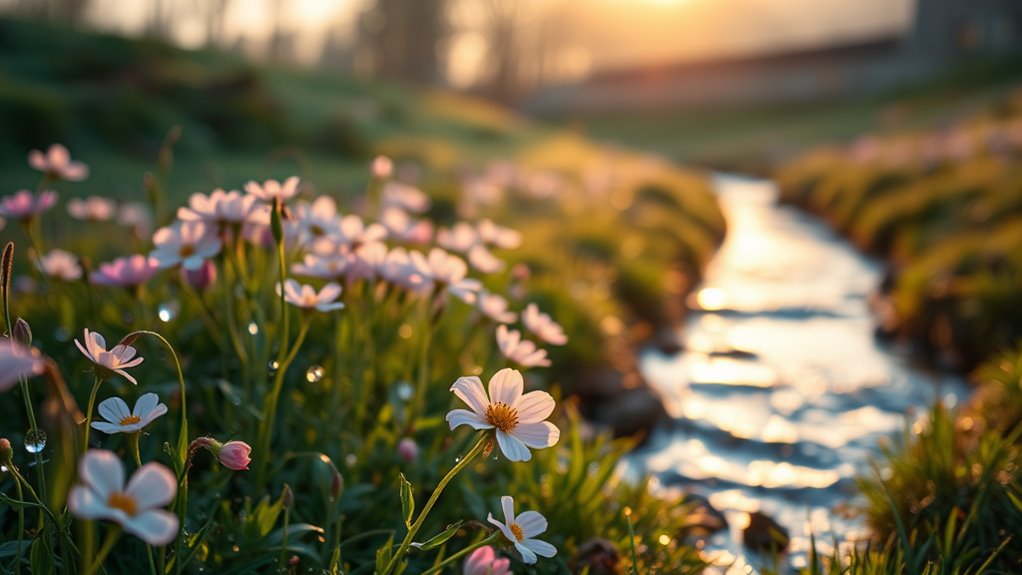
167	311
35	441
315	374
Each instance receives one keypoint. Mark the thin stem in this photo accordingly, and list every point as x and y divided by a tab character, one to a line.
396	559
133	445
111	537
270	408
88	414
439	566
282	258
152	563
283	545
21	526
420	389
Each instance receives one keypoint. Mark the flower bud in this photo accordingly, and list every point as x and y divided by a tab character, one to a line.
201	278
336	485
287	497
22	332
408	449
6	451
235	455
276	221
382	167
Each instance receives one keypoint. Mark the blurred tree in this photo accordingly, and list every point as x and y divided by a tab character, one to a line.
402	39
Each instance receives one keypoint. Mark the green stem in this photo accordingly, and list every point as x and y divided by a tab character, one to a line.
88	414
418	405
439	566
133	447
270	408
111	537
282	258
152	563
283	545
462	464
21	526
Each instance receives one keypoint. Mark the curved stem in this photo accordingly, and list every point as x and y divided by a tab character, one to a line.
396	559
88	414
439	566
111	537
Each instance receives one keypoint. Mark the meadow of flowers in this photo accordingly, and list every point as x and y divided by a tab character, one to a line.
274	382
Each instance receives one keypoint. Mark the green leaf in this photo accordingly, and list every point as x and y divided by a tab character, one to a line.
407	501
440	539
266	514
383	554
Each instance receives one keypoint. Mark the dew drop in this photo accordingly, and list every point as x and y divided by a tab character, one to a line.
3	469
168	310
35	441
350	459
253	328
457	460
405	391
235	548
273	366
314	374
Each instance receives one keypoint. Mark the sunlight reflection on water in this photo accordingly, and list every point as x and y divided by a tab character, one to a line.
782	391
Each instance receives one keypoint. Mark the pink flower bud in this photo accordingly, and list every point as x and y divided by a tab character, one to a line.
200	278
382	168
408	449
6	451
484	561
234	455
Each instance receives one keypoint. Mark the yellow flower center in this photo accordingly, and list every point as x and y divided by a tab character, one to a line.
316	230
186	251
502	416
516	531
130	419
124	502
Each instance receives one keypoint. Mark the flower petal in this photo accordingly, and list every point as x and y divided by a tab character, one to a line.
457	417
83	503
155	527
108	428
540	547
534	406
512	447
506	386
145	403
113	409
532	523
102	471
528	556
470	390
537	435
503	528
507	505
153	485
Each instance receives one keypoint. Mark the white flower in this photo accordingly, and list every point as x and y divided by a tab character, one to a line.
102	495
494	307
322	267
95	208
399	270
406	197
57	163
218	208
460	238
520	530
305	296
119	419
543	326
483	260
318	220
61	265
499	236
354	232
446	272
119	358
17	361
521	351
185	243
272	189
518	419
367	262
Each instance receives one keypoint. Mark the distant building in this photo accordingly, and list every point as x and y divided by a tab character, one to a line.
943	32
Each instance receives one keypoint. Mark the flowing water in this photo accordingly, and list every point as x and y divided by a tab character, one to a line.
781	393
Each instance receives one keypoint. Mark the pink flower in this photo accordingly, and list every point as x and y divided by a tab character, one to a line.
382	167
446	272
406	197
408	449
57	164
119	358
17	361
218	208
318	221
306	297
501	237
543	326
322	267
235	455
185	243
62	265
24	205
484	561
521	351
271	190
494	307
94	208
201	278
354	232
126	272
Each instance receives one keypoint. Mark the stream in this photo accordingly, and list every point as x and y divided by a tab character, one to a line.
781	393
